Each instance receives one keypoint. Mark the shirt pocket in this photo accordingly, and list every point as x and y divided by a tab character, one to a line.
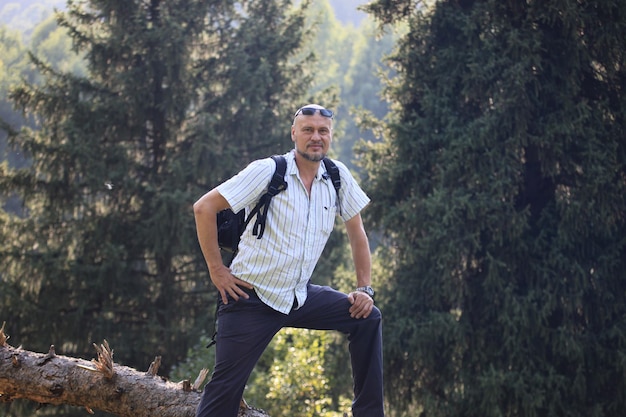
323	208
328	218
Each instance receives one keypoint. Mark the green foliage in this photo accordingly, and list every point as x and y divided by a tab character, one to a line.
51	44
298	373
294	377
500	187
12	58
13	61
13	68
198	357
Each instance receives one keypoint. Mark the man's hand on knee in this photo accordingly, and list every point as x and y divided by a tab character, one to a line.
362	304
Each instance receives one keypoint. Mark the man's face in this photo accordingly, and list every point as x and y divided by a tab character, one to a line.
312	135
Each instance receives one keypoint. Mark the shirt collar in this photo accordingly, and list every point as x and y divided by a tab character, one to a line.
292	169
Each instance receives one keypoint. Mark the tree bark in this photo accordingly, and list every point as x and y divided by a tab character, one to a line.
99	384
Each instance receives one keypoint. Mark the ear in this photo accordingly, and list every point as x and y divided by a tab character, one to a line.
293	134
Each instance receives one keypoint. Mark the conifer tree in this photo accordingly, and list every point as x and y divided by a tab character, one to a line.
101	252
501	187
107	248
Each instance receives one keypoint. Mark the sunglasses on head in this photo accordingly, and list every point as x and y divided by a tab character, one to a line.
310	111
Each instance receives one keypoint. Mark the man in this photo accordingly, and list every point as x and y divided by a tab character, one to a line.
267	285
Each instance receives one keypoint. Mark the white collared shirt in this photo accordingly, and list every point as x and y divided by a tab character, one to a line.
298	226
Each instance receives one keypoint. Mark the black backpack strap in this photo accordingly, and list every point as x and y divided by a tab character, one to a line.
333	171
277	184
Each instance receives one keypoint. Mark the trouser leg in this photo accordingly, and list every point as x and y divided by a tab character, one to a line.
327	309
245	328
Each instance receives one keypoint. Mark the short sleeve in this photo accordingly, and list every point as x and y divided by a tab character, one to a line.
352	199
245	188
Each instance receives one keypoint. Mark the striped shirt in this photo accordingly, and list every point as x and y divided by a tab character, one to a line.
280	264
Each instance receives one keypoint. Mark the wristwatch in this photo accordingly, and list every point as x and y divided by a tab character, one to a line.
367	290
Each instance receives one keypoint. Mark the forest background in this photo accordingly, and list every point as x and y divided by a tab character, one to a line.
491	141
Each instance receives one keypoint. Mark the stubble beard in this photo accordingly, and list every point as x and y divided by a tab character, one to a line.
311	157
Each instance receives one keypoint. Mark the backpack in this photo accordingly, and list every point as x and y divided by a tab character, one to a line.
230	225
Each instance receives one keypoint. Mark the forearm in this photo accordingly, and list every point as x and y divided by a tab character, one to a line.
361	256
362	301
362	263
205	213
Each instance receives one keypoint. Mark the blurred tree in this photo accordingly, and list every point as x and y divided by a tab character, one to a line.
13	65
105	169
251	88
363	83
24	15
13	68
51	44
107	248
501	186
299	376
351	60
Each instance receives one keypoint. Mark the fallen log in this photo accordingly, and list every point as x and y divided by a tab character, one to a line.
97	385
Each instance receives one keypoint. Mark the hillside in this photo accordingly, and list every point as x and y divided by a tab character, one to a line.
24	15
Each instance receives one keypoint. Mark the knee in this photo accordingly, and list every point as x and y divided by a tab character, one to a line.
375	315
369	327
373	320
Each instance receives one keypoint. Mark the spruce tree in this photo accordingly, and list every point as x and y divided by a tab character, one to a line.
501	187
104	248
107	248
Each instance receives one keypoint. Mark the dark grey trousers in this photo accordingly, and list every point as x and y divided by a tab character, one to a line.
246	327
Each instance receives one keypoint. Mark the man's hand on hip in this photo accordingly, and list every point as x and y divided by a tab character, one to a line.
227	283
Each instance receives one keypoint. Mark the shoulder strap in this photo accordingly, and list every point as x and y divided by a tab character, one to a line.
333	171
277	184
